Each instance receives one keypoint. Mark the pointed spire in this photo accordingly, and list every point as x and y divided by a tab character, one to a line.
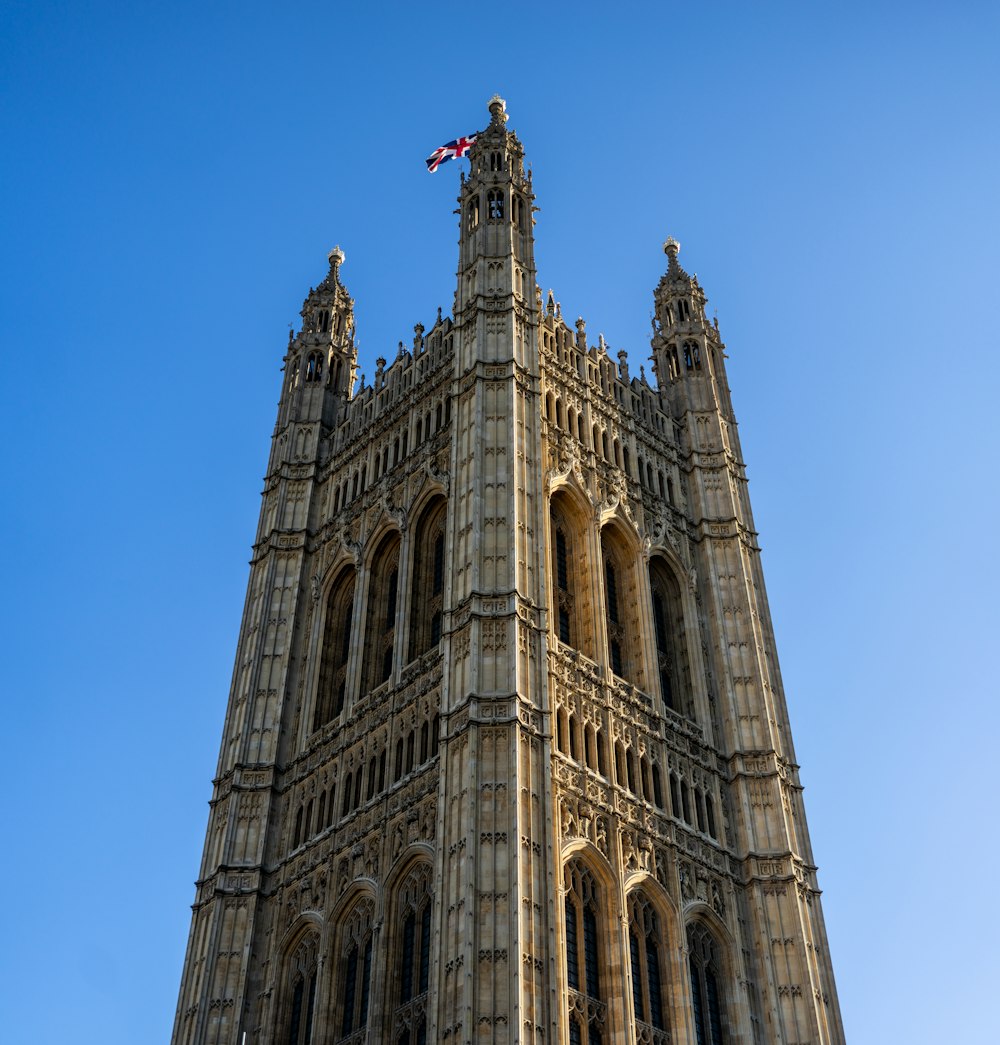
672	248
328	308
336	259
680	328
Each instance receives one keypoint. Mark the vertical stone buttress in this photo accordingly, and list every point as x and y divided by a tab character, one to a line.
218	970
495	859
784	947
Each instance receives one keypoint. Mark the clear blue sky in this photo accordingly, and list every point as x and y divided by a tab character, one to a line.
173	176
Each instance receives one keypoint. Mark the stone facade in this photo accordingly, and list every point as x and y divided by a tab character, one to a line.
506	757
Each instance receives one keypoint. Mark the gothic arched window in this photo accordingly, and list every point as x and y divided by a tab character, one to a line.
707	1000
332	687
354	966
494	204
314	366
584	972
299	1006
472	214
692	355
427	600
380	622
413	957
671	645
646	959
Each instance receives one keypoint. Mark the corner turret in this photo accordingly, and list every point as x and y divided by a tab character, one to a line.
687	351
321	362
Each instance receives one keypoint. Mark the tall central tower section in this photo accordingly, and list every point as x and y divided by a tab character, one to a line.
497	855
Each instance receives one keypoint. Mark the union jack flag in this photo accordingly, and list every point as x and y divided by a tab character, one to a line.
450	151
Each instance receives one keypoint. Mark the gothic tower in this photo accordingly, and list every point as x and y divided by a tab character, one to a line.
506	758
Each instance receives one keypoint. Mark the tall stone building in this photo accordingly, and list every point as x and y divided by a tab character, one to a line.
506	757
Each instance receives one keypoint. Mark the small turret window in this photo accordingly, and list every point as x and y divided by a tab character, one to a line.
496	161
692	355
314	367
495	204
324	322
683	309
472	214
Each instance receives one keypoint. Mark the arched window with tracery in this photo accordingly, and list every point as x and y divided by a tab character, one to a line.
671	644
413	957
354	972
707	999
299	1003
332	687
380	628
427	599
568	566
584	961
647	962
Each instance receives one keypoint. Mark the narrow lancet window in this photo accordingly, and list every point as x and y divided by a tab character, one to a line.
300	1004
412	976
671	645
380	630
619	600
495	208
584	943
336	648
354	979
562	587
646	945
427	587
706	997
